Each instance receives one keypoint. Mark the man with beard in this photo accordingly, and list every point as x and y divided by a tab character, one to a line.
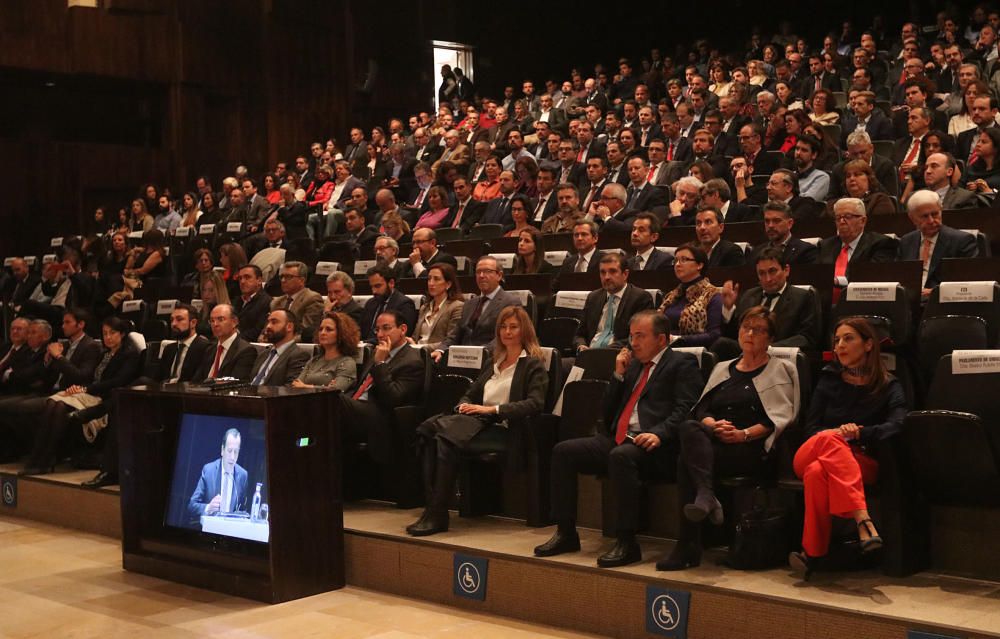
180	360
283	361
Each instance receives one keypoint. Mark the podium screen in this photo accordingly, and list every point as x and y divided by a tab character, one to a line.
220	466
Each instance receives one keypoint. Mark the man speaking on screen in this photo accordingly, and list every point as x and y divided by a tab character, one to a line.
222	487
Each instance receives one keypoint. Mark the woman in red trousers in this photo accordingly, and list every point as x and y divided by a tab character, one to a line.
857	403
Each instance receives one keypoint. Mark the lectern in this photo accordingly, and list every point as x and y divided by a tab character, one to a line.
173	439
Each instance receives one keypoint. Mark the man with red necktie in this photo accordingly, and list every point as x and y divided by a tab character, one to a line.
652	390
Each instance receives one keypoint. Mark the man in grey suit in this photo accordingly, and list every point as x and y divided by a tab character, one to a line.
937	176
932	241
479	315
283	361
257	204
796	310
222	487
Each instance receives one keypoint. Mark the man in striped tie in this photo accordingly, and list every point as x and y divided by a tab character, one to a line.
651	391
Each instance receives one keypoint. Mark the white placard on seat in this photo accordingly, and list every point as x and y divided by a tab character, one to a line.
669	250
697	351
56	241
556	258
966	362
572	299
784	352
182	231
197	304
653	292
575	374
361	266
463	263
7	261
131	306
547	352
48	257
416	298
206	229
812	240
30	259
325	268
234	227
466	357
871	292
166	307
966	291
505	260
362	299
135	235
522	296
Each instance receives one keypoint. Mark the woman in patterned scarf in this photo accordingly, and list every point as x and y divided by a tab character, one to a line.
694	307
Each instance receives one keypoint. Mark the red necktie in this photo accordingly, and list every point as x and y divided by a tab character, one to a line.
218	361
458	216
910	156
670	152
652	171
840	270
633	399
365	385
420	198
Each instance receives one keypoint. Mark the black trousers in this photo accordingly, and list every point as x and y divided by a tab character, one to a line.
19	415
365	422
701	458
440	460
626	466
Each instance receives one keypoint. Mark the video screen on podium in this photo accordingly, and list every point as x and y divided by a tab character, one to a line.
219	482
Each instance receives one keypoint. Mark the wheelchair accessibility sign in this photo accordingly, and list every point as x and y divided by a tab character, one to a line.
667	612
8	490
469	576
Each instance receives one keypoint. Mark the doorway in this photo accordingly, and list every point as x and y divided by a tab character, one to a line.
454	55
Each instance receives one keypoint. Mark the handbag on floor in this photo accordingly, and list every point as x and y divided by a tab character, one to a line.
761	537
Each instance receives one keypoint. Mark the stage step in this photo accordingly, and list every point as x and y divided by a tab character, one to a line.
58	499
571	592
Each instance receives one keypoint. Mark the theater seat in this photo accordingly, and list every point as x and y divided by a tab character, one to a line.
558	333
889	318
980	299
939	336
597	363
706	358
485	232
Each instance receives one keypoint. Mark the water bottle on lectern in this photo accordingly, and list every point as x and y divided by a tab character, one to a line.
255	508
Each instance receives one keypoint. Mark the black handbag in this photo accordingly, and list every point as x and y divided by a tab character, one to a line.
761	538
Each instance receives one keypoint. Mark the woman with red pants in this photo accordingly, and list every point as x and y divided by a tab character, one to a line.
856	404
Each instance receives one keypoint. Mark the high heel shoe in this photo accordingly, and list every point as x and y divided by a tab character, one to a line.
874	541
803	563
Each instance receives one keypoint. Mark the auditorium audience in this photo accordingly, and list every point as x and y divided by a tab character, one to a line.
856	405
385	297
340	294
607	310
530	256
280	363
743	409
512	389
860	183
932	241
304	303
229	355
334	367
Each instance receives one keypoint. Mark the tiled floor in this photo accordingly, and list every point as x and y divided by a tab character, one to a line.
60	583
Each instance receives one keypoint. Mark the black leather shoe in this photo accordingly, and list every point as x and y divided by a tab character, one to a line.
623	554
558	544
681	558
100	480
429	524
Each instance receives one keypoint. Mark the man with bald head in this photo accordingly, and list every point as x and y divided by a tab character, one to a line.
229	355
23	283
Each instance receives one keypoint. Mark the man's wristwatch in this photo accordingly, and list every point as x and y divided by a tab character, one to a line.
746	434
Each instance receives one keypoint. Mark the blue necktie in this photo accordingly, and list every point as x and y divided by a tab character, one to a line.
609	324
262	373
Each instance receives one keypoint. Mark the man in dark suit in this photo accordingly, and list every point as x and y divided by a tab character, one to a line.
640	195
357	149
759	162
340	292
860	147
796	310
617	163
425	254
23	282
778	223
394	377
466	211
584	258
984	112
716	192
906	150
223	486
648	130
385	298
607	311
253	304
783	186
479	315
229	355
646	257
589	147
498	209
597	177
179	361
652	391
356	230
427	150
866	116
852	243
938	171
280	364
570	171
545	205
818	78
932	241
708	228
257	205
